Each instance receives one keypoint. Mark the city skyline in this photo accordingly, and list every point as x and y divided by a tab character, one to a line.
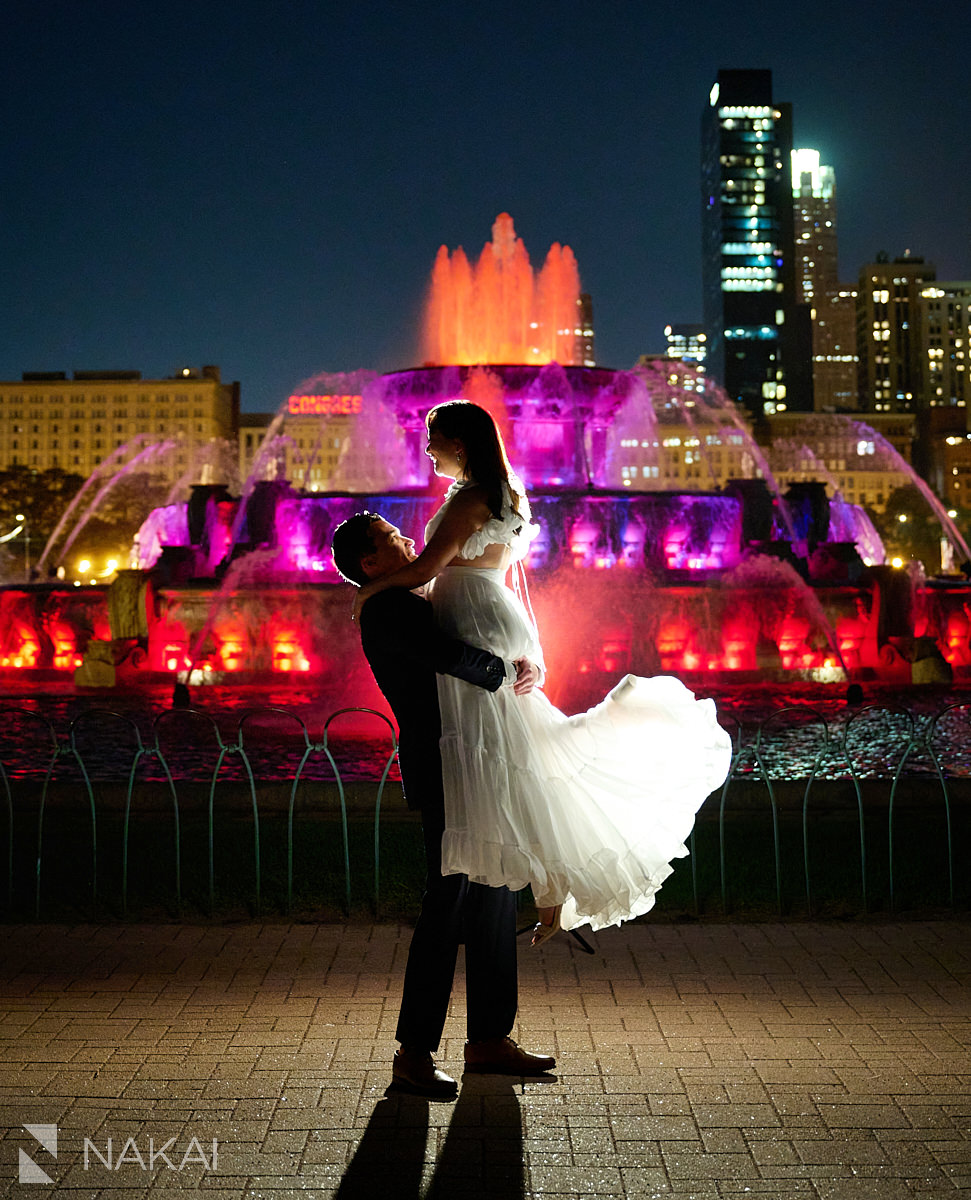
199	186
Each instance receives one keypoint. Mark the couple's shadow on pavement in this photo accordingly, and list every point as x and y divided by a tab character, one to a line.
482	1154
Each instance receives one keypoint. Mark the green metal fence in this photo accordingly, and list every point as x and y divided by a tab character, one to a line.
870	753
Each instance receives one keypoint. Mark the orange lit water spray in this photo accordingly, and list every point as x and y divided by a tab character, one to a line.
499	310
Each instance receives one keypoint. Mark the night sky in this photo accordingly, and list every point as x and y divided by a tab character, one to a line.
265	185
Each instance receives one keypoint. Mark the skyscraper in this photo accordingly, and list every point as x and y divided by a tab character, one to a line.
893	363
946	335
893	359
832	305
689	343
583	355
759	339
945	330
814	213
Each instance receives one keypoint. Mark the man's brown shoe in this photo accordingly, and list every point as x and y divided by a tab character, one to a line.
415	1071
501	1056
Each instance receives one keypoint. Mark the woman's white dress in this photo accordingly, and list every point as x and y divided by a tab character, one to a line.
589	810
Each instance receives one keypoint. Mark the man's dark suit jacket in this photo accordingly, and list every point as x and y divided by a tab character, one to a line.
406	650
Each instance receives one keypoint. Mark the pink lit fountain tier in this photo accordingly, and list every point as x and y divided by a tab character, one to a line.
698	584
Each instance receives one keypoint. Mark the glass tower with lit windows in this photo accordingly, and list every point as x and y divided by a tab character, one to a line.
759	337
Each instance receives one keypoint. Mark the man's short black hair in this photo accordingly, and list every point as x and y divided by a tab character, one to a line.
351	542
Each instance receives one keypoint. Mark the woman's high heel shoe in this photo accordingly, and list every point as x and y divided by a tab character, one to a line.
547	925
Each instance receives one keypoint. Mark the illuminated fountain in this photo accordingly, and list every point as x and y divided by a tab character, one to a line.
734	583
627	574
499	310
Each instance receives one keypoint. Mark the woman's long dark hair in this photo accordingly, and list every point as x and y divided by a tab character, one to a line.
486	460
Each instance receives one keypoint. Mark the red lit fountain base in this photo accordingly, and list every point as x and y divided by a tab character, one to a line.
595	626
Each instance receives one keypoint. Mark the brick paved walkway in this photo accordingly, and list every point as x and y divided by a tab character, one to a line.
801	1060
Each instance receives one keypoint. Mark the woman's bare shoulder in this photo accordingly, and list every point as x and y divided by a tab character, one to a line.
470	500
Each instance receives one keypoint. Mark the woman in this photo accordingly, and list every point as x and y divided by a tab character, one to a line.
589	810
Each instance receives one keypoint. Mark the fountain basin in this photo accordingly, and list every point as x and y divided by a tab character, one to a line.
733	583
757	621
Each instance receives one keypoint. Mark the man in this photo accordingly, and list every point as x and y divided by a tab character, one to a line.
405	650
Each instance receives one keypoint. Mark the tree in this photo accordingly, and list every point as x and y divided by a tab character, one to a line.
44	496
910	529
108	517
41	496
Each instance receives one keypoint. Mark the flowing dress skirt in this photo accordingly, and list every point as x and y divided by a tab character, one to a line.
589	810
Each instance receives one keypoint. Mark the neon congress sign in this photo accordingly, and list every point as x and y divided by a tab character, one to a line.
324	406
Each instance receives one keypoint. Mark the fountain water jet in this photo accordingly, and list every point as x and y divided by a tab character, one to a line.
498	311
110	463
142	459
217	461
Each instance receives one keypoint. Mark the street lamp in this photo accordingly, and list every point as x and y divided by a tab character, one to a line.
21	527
23	522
